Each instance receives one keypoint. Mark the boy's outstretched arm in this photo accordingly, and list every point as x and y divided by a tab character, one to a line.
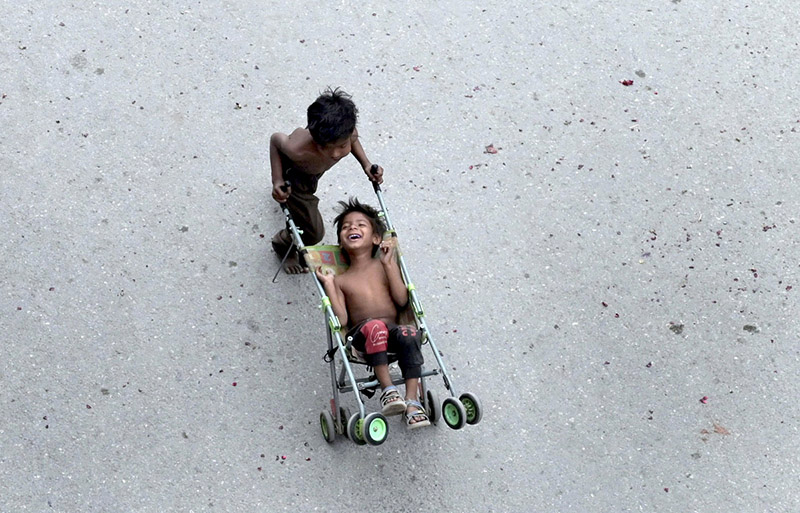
334	294
276	148
358	152
397	287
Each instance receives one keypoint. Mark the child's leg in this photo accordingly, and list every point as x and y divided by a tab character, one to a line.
371	338
375	344
406	342
416	416
383	375
304	208
412	389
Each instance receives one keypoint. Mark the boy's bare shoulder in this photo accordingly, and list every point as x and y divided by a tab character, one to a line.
296	144
300	139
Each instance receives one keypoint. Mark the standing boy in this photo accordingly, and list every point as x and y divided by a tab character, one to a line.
303	156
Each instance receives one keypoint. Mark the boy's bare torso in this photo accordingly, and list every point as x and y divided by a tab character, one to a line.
366	293
303	154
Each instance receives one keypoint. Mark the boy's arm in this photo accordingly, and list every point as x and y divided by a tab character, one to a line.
335	294
277	143
358	152
397	286
338	303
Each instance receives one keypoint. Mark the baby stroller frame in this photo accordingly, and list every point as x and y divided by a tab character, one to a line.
372	428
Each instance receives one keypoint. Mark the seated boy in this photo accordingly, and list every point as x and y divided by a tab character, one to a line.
367	298
303	156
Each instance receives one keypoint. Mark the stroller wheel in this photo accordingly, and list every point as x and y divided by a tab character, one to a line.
376	429
355	429
432	405
327	426
454	413
473	408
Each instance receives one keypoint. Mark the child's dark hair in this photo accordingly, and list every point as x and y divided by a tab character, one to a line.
332	117
372	214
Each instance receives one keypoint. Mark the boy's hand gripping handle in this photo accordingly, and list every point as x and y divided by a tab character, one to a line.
285	188
374	171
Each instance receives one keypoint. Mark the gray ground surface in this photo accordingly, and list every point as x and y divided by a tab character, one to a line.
627	251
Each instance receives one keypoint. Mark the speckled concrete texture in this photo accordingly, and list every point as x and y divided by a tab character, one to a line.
612	268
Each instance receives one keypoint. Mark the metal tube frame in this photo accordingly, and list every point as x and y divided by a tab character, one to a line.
334	326
419	313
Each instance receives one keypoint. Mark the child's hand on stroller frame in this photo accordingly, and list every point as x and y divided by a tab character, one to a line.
324	275
387	250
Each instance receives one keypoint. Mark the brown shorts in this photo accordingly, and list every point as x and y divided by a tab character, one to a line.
303	204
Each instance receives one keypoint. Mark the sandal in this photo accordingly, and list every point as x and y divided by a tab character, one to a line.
391	402
418	415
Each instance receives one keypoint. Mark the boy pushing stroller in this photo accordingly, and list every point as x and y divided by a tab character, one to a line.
299	160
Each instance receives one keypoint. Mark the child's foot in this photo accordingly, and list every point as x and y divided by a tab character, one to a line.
292	264
391	402
415	415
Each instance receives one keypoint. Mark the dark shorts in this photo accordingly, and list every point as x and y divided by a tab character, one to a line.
378	340
303	204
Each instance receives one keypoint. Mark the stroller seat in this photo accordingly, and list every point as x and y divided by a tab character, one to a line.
328	257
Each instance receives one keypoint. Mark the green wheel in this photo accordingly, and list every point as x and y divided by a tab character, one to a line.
327	426
376	429
473	407
454	413
355	429
432	405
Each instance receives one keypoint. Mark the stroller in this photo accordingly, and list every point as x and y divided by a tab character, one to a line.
361	427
